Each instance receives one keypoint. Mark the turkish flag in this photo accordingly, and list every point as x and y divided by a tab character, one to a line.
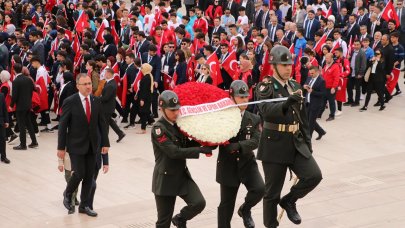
124	89
292	49
138	78
389	13
326	14
34	19
392	81
213	62
337	45
350	47
99	35
50	4
45	24
174	80
266	68
43	93
190	69
166	81
230	65
82	22
318	46
76	45
114	32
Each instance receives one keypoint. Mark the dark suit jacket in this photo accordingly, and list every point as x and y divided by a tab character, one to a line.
143	48
364	21
108	96
267	15
156	65
354	32
341	22
131	72
39	50
258	21
4	56
314	28
124	36
335	10
14	50
75	133
388	54
171	62
171	149
219	30
67	91
318	92
280	147
22	93
3	110
237	167
181	71
277	28
110	51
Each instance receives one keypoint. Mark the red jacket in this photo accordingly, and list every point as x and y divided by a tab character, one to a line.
331	74
201	23
213	13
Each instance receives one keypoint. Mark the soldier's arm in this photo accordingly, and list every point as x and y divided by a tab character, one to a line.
248	145
161	139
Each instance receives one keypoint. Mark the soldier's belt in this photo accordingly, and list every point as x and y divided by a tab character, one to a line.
292	128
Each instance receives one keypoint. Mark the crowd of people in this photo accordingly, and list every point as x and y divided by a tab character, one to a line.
354	46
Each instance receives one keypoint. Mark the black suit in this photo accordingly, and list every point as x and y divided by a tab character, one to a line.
23	88
81	139
156	63
3	120
335	8
108	101
236	167
258	19
181	71
365	20
39	50
131	73
352	32
111	50
125	37
144	94
142	48
316	100
68	90
170	61
14	49
341	21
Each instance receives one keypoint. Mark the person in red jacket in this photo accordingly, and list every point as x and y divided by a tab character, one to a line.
200	22
331	74
344	66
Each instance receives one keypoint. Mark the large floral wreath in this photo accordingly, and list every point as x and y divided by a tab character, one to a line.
207	114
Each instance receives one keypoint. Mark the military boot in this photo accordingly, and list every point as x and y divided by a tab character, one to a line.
246	216
288	204
179	221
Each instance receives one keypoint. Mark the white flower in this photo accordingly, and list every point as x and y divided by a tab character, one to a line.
214	128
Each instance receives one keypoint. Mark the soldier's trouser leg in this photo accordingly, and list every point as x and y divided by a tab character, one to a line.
274	175
165	208
309	175
227	206
255	186
194	199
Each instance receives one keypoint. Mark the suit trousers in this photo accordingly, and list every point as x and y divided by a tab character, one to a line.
3	142
308	173
130	100
165	205
93	187
68	175
155	106
112	124
378	86
331	99
255	188
24	122
354	83
83	167
313	112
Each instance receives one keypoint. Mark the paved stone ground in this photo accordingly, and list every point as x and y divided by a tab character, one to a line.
362	158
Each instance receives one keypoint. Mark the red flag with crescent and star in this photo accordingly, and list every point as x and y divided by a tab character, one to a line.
389	13
230	65
213	62
392	80
190	69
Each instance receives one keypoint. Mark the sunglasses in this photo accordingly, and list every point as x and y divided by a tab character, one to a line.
183	43
204	68
378	53
171	46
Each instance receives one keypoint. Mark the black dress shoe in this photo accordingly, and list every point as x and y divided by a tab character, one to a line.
5	160
347	103
33	145
67	201
377	104
121	137
355	105
246	216
363	109
291	210
381	108
330	118
320	136
71	210
20	147
87	211
397	93
179	221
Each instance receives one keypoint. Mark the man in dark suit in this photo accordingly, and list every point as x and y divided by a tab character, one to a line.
143	45
233	6
388	53
316	90
154	60
80	126
125	32
257	21
363	18
108	101
337	5
171	177
285	141
363	33
4	52
169	59
273	27
311	26
353	29
342	18
130	72
217	27
3	125
22	88
265	18
38	48
14	48
237	163
401	16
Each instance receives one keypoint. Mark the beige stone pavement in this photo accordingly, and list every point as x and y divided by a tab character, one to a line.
362	158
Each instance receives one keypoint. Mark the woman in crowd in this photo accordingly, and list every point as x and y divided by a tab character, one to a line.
180	68
376	81
144	95
205	76
92	69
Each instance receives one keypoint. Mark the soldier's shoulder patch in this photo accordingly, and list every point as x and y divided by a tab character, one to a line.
158	131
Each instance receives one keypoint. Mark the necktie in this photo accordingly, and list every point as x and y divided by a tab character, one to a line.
88	112
361	18
372	29
286	87
149	59
272	32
